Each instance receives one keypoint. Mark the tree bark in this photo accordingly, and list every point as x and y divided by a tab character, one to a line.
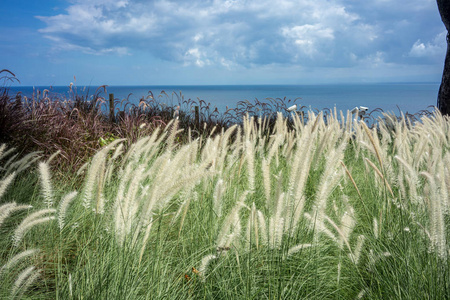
443	102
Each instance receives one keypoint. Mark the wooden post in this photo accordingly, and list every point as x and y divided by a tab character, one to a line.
197	117
111	107
19	101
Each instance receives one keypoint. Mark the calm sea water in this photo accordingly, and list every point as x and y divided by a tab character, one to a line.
408	97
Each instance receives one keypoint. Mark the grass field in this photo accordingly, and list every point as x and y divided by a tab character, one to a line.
297	210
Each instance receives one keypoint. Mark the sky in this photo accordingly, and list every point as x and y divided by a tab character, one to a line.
220	42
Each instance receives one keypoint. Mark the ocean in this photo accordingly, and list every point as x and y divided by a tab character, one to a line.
395	97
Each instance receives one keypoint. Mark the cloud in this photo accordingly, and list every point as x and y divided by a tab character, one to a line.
431	48
233	33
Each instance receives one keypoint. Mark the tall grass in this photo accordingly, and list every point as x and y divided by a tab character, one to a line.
289	209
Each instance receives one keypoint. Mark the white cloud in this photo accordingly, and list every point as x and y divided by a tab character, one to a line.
431	48
307	37
230	33
194	55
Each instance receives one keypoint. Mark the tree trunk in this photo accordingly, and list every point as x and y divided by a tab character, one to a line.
443	102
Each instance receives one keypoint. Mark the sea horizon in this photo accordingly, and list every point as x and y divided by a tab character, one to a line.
389	96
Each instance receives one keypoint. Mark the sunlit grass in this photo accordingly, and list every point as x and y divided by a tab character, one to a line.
322	209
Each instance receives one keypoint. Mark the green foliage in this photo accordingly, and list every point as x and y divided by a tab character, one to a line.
107	139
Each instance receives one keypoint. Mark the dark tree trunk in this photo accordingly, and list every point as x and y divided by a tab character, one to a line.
443	102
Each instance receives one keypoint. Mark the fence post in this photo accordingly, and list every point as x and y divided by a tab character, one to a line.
111	107
197	117
19	101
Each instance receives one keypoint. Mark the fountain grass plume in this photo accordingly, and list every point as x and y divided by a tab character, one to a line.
300	169
18	166
30	221
297	248
443	188
4	183
46	185
231	227
219	190
265	166
4	153
378	172
330	178
2	150
320	227
277	222
437	218
250	158
16	259
204	265
358	248
351	179
8	208
63	206
23	281
412	178
145	188
95	176
375	144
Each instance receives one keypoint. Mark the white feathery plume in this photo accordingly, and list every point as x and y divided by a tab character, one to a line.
45	177
297	248
30	221
5	154
262	227
339	265
38	214
92	178
4	183
358	248
252	225
52	156
250	157
8	165
217	197
347	221
24	280
437	223
144	240
117	152
2	149
16	259
28	282
277	223
413	178
231	223
375	228
204	265
265	166
447	178
299	176
25	162
10	209
82	168
361	293
173	132
330	178
23	229
341	234
444	196
254	215
70	285
65	202
5	211
320	227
